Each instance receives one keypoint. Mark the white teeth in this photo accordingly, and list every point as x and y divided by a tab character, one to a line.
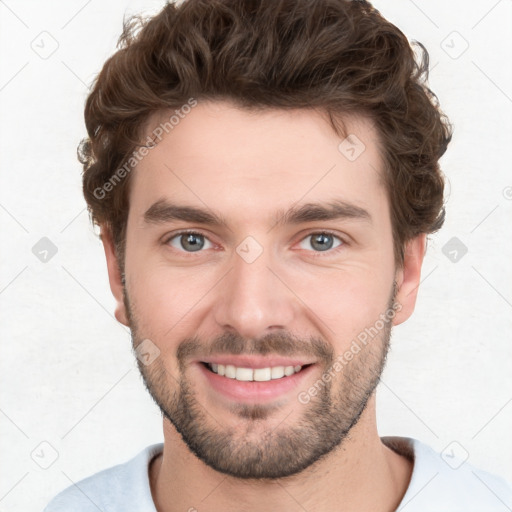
230	371
258	374
289	370
262	374
277	372
245	374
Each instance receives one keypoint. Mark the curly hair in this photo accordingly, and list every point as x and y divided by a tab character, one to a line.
336	56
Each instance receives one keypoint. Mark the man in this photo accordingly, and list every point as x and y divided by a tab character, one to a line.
265	174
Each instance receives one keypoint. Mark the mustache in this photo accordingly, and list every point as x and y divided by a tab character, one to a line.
278	343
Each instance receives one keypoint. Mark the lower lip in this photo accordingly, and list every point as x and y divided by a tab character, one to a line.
254	391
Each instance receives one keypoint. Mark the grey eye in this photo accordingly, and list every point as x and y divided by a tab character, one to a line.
189	242
321	241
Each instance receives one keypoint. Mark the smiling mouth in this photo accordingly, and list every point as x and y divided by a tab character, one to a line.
254	374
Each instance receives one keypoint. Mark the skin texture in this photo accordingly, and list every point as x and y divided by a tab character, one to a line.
293	299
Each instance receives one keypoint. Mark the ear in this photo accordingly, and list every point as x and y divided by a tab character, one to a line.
114	276
408	277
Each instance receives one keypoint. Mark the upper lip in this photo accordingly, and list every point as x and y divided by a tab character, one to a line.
241	361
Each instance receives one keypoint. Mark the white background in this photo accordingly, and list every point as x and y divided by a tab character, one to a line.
68	375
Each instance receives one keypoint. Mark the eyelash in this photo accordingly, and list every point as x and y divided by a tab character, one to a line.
316	254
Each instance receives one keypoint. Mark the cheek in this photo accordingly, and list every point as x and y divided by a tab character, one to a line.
167	300
344	302
338	300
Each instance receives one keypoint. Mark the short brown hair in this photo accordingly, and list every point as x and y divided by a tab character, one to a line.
336	56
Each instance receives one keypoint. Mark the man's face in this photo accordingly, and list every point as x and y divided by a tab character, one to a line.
264	290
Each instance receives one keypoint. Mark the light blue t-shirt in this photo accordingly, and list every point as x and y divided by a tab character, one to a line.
439	483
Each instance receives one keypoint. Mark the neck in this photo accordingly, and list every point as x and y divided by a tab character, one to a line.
361	474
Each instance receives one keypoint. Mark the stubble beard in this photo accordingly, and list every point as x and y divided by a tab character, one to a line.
251	451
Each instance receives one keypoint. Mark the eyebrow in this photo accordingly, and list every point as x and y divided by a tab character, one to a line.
163	211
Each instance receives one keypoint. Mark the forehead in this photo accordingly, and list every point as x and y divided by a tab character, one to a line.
256	163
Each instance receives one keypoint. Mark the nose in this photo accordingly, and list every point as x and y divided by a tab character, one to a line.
253	299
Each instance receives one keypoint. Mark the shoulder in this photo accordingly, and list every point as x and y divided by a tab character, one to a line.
446	482
122	487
